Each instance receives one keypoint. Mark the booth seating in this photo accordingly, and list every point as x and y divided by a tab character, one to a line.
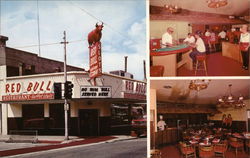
201	61
156	71
155	44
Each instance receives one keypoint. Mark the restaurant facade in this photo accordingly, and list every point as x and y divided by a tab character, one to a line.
27	96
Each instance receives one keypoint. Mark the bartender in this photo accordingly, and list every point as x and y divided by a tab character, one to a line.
167	38
244	46
161	124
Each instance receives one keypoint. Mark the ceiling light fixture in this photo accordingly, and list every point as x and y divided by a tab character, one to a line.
216	3
230	100
173	9
198	84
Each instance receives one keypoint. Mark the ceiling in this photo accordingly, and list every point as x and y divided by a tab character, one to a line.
180	93
234	7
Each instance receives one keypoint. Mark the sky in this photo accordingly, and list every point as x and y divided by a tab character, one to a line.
124	31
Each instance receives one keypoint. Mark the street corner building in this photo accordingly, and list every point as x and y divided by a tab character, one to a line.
29	103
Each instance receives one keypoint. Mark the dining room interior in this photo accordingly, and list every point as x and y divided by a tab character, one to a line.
200	117
219	23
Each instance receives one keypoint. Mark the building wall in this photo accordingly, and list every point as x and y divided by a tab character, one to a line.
14	110
16	58
153	108
237	114
159	27
102	106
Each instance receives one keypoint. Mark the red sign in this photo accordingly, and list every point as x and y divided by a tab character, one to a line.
24	97
95	60
31	90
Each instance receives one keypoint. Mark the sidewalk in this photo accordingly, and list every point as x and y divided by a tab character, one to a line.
52	142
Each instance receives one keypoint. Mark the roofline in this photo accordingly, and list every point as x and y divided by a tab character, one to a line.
70	73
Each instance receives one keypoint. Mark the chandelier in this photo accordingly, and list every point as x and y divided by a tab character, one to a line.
216	3
198	84
230	100
173	9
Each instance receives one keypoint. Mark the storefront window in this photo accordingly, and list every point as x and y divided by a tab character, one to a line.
33	116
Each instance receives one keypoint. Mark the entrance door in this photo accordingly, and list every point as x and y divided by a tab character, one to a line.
89	122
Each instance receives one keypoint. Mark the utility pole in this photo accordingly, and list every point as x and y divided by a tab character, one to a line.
126	61
66	106
144	70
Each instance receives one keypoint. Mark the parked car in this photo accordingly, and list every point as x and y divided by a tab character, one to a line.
139	126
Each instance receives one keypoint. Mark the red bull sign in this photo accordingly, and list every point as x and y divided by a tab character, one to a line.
95	60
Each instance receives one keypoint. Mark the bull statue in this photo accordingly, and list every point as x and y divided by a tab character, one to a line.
95	35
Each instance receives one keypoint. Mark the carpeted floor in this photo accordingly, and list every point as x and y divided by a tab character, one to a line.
217	65
171	151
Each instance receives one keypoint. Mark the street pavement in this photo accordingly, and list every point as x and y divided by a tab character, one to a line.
131	148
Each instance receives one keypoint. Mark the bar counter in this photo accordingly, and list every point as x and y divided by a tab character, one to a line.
167	58
231	51
168	136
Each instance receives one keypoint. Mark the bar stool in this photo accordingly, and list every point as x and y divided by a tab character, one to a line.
156	71
201	59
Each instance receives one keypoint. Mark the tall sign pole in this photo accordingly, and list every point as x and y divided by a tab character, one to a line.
66	106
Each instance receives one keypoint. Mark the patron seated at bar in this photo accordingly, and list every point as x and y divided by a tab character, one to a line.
167	39
199	45
189	39
245	46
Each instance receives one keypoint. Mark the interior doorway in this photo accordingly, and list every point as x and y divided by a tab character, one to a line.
89	122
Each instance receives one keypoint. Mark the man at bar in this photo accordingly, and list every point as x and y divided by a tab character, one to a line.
189	39
199	45
244	46
167	39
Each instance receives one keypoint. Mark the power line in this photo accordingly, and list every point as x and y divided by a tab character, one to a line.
113	29
48	44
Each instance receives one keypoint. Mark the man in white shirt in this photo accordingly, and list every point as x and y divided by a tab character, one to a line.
244	46
167	39
189	39
222	34
199	45
161	124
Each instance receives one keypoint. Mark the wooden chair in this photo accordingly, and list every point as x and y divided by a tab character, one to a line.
220	149
155	153
201	59
188	151
236	144
206	151
248	145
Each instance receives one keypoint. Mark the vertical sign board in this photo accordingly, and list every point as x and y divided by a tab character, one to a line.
95	60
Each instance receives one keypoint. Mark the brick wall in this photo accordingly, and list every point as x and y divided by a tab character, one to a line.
32	62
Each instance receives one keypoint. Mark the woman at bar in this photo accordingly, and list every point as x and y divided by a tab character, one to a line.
244	46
